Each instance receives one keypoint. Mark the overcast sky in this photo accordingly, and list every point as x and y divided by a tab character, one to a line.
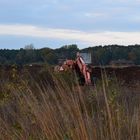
53	23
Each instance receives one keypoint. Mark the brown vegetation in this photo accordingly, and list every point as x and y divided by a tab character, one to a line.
38	105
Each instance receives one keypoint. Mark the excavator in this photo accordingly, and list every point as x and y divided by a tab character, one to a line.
80	67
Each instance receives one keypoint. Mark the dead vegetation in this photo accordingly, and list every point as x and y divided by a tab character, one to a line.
33	109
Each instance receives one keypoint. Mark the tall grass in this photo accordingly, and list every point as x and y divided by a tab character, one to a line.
36	110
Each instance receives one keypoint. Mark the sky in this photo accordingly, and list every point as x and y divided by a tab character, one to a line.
54	23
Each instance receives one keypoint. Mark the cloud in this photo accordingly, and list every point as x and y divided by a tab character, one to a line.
93	38
95	14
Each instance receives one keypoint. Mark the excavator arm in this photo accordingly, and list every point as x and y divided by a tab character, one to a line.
83	69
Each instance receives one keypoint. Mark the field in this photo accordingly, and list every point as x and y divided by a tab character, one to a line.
38	104
128	74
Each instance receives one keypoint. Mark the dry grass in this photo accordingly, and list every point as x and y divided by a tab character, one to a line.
32	110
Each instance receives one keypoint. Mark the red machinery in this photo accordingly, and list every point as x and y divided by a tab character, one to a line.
79	66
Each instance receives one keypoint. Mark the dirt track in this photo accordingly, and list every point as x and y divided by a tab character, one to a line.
126	74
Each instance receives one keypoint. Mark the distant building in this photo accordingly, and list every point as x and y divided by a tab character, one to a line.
121	62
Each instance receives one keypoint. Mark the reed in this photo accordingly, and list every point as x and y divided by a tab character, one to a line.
32	110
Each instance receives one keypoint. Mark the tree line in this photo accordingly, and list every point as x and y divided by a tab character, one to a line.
101	55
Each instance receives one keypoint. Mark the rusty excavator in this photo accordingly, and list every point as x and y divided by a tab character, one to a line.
80	67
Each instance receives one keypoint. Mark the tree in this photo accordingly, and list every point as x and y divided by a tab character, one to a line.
29	47
48	56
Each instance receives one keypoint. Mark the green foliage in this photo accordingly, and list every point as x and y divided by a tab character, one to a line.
67	77
48	56
101	55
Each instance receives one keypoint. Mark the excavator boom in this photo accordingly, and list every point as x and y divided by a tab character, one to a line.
84	70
